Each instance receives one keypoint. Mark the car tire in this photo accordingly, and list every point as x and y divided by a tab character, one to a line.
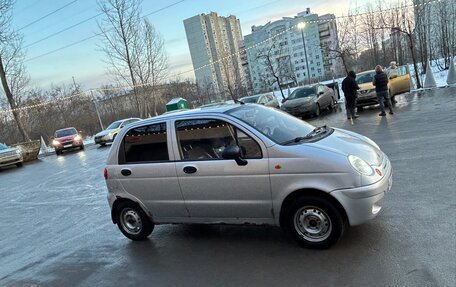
317	111
82	147
58	152
332	106
133	221
314	222
360	109
102	144
19	164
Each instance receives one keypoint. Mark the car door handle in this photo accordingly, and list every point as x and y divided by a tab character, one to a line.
190	169
125	172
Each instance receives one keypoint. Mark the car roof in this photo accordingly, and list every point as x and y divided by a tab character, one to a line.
251	97
220	109
366	72
70	128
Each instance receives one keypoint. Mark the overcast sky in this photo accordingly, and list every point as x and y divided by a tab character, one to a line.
84	61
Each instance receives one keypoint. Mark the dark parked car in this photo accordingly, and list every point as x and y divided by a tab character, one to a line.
67	138
309	100
266	100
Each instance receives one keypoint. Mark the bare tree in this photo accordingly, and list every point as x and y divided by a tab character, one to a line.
401	19
119	30
11	59
277	67
151	64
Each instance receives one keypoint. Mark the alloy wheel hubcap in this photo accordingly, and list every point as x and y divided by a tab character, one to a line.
312	223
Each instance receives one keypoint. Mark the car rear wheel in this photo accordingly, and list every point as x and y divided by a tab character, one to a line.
102	144
19	164
314	222
133	221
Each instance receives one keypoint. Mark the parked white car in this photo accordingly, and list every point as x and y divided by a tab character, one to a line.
10	156
244	164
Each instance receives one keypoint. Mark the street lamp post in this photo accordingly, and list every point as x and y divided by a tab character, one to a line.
301	27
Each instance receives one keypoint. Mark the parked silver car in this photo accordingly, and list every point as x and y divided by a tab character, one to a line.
244	164
309	101
110	133
10	156
266	100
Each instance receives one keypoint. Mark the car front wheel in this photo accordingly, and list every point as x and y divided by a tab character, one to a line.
133	221
317	110
314	222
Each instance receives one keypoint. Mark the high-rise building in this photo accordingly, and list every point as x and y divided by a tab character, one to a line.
329	41
281	50
214	43
292	50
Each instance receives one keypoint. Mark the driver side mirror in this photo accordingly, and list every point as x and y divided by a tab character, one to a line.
321	93
234	152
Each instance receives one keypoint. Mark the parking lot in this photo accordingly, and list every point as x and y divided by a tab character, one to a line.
56	230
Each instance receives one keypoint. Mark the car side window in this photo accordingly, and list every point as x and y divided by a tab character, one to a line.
144	144
206	139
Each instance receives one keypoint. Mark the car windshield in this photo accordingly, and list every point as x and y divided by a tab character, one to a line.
65	133
302	93
3	146
249	99
114	125
276	125
365	78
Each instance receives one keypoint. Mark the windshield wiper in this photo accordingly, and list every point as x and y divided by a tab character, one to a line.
317	130
296	140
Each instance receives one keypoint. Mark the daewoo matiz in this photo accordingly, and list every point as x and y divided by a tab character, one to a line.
244	164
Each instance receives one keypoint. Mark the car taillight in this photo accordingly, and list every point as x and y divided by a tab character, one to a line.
105	173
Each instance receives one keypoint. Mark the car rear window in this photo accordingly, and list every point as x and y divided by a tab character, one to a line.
144	144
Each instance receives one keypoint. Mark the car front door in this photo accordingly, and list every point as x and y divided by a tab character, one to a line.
148	172
216	188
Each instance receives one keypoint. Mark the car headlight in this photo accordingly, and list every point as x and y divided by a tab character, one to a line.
77	138
360	165
54	142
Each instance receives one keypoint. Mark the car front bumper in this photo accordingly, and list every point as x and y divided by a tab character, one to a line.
364	203
104	139
11	160
300	110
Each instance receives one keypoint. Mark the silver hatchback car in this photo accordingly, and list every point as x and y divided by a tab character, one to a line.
244	164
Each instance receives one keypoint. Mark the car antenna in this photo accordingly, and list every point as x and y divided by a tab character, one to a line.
239	102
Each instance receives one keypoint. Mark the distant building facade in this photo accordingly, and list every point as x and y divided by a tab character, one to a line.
214	44
327	28
283	42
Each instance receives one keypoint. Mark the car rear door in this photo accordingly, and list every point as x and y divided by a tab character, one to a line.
148	172
216	188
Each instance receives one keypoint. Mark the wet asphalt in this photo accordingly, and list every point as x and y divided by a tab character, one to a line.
56	230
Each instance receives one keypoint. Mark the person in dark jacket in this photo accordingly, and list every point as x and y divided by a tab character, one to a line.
350	88
380	82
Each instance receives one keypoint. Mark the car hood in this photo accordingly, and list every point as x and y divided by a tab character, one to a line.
350	143
105	132
297	102
366	86
67	138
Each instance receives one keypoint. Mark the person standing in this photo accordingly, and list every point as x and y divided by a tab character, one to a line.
350	88
380	82
392	70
